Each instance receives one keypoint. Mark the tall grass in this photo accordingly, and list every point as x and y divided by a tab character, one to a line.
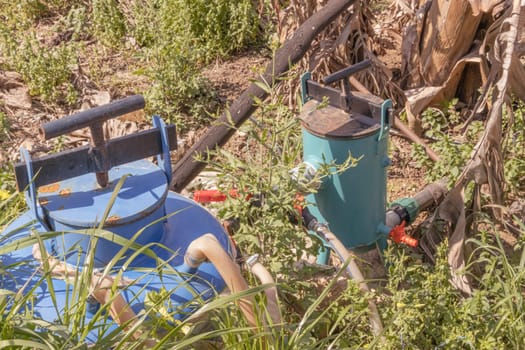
419	307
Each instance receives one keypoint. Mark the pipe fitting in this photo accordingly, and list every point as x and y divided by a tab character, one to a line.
304	175
407	209
264	277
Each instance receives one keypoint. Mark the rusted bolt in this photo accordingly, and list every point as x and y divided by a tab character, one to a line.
112	219
49	188
65	192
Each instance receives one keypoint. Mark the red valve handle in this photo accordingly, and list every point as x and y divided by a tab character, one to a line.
208	196
398	235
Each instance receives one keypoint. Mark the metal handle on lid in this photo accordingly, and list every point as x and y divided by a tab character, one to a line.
93	116
346	72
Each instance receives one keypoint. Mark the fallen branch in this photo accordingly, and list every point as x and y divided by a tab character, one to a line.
290	53
404	129
414	138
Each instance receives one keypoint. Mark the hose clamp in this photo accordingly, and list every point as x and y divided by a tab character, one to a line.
252	260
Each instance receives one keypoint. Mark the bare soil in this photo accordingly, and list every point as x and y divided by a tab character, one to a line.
232	76
228	77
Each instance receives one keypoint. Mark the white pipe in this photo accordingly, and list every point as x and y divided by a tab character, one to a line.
392	219
355	273
207	247
265	277
119	309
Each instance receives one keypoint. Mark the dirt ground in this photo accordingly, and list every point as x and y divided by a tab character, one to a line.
228	77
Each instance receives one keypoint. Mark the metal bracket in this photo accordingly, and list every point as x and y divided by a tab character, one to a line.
385	118
163	158
31	193
79	161
304	87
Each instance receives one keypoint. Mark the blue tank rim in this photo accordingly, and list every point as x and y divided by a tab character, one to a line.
204	282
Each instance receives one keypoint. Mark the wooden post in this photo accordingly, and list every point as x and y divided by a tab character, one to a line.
290	53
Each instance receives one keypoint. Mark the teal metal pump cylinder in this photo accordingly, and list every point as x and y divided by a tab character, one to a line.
352	202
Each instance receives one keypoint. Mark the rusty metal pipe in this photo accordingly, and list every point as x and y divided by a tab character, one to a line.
102	158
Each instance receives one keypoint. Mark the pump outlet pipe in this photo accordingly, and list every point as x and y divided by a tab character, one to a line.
353	270
407	209
204	248
264	276
208	248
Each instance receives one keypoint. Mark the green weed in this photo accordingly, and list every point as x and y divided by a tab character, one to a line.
177	37
21	14
168	41
425	311
209	28
46	70
178	89
226	26
514	148
109	24
453	149
4	125
267	192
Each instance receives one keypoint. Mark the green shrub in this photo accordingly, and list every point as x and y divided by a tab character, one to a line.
514	148
176	38
21	14
4	125
267	192
109	24
453	150
178	92
169	41
75	21
209	28
47	71
424	311
220	27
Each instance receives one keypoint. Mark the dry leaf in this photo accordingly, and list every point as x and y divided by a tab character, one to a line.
17	98
13	92
99	98
485	6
